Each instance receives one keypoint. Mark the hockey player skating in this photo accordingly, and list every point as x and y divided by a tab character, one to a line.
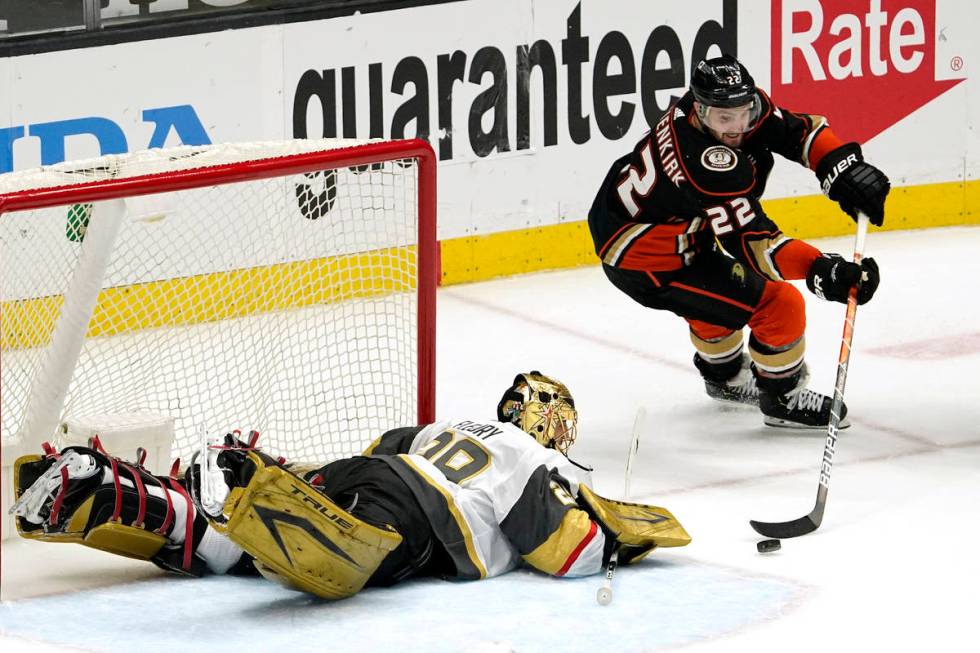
459	499
695	181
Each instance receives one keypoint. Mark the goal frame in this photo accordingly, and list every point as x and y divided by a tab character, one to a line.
341	157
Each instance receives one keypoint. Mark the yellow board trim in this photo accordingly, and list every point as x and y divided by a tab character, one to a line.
28	323
478	258
568	244
125	309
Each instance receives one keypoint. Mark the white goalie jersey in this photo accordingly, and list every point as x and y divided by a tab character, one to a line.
495	497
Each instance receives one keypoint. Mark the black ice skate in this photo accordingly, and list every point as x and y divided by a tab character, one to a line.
739	389
799	408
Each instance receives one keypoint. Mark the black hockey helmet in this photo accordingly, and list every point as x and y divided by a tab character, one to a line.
722	82
728	102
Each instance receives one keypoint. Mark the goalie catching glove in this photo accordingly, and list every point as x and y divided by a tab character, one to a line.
634	529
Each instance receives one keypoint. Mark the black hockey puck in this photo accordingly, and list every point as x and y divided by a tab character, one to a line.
767	546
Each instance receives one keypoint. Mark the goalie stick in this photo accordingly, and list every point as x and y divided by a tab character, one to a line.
809	523
641	414
604	595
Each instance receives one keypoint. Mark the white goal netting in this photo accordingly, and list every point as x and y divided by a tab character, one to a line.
281	295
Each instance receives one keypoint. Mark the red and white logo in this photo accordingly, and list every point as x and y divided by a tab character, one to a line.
865	64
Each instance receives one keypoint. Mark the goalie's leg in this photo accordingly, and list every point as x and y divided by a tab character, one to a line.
372	491
302	538
82	495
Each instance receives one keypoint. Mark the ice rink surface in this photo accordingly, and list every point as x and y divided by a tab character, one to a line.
893	567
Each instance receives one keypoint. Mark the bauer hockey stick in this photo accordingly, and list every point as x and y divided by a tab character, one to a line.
810	523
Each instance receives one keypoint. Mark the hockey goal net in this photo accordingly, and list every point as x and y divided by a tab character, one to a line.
285	287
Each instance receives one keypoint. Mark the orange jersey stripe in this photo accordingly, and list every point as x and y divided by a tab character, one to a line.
721	298
824	142
615	236
793	259
657	248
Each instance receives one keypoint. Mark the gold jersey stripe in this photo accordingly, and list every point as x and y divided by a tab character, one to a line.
762	253
615	251
781	361
719	348
371	447
551	556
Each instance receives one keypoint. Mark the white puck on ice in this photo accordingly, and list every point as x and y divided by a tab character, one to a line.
767	546
604	596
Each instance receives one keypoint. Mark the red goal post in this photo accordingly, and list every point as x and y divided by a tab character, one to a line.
283	243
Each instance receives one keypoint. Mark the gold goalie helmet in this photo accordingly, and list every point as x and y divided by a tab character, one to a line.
542	407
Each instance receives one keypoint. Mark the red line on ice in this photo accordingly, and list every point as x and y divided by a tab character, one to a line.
964	344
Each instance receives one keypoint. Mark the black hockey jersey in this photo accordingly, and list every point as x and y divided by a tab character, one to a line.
680	188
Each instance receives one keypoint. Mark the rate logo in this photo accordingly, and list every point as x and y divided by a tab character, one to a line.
865	64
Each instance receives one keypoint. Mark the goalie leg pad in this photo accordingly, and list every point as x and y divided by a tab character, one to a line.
299	537
36	481
128	541
638	528
64	500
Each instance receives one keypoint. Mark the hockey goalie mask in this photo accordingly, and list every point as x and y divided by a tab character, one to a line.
542	407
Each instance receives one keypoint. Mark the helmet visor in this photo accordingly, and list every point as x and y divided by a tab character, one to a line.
732	120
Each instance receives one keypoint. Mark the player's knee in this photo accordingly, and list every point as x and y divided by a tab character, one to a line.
780	317
707	332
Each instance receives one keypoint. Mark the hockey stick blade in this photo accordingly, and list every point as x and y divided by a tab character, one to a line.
783	530
786	529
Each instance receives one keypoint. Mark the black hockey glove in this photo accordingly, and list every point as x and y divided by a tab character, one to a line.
831	277
854	184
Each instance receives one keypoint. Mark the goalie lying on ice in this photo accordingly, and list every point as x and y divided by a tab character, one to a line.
457	499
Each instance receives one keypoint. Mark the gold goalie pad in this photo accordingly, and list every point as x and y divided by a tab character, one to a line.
300	537
638	526
117	538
